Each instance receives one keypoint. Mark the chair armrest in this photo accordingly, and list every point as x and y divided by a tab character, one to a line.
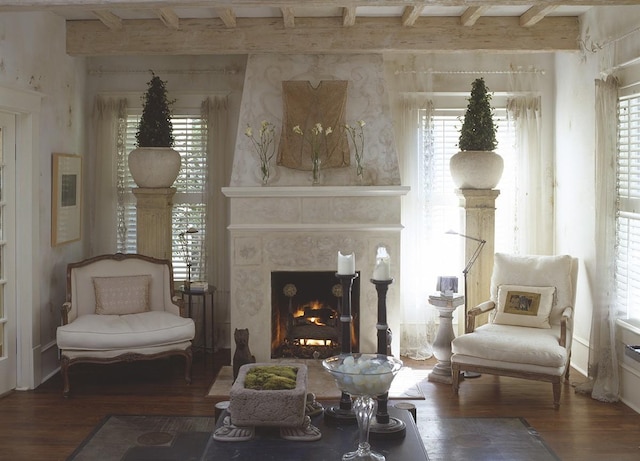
178	301
64	312
476	311
567	316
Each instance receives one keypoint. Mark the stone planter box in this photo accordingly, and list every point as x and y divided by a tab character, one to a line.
282	408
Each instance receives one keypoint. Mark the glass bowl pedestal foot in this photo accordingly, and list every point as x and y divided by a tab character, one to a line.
364	408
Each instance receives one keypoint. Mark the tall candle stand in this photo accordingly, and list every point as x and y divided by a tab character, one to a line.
343	413
384	425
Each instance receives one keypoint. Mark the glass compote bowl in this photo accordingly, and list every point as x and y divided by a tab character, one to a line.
363	376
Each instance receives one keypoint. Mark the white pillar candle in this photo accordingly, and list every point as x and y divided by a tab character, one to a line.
382	269
346	264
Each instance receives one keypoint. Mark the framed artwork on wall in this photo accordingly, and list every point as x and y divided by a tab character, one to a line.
66	212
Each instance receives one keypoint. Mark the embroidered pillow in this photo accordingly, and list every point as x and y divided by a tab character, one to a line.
524	306
122	295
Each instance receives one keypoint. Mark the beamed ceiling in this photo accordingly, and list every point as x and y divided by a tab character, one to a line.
154	27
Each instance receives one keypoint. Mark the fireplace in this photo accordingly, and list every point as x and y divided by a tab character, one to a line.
292	225
289	229
305	314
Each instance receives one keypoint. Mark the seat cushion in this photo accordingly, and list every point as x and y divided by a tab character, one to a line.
520	345
105	332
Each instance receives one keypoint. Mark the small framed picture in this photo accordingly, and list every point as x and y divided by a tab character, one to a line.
522	303
66	186
447	284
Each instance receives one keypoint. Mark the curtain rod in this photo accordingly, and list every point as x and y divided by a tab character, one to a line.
465	72
221	70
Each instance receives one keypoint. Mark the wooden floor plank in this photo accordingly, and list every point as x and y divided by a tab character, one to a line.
42	425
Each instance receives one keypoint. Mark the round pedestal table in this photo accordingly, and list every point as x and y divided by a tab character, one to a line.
446	305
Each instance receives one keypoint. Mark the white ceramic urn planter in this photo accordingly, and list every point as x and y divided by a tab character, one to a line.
154	167
475	169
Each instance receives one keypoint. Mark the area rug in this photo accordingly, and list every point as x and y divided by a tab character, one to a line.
146	438
184	438
482	439
319	381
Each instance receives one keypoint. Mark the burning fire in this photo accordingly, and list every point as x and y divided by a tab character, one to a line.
316	342
311	325
306	312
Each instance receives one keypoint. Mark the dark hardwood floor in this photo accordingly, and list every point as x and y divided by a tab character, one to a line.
42	425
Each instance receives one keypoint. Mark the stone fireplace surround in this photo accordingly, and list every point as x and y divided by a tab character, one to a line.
302	229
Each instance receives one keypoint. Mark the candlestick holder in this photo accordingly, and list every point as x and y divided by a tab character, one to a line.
385	426
343	413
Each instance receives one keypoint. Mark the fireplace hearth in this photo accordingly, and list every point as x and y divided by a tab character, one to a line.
305	314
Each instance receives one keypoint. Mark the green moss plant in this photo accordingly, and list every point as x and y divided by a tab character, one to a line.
276	377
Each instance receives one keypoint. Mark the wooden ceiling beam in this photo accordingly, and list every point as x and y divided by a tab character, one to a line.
535	14
410	15
169	18
321	35
15	5
472	14
228	17
348	16
109	19
288	17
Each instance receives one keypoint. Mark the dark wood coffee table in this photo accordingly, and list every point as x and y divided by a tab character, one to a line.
335	441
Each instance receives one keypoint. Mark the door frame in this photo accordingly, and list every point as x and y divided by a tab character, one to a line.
26	106
9	360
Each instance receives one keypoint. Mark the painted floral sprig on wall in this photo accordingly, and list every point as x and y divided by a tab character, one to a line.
317	140
356	134
264	146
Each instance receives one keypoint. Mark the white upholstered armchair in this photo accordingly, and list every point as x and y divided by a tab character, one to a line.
122	307
530	323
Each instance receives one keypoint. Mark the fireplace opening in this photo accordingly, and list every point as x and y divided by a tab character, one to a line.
305	314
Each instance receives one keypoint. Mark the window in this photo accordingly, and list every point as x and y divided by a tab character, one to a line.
446	131
189	202
627	269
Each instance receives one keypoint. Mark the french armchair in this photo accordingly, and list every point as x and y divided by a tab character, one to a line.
529	334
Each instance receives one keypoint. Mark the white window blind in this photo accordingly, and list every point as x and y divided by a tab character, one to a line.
446	132
627	268
189	202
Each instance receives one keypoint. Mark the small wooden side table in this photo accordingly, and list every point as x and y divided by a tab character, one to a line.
208	291
441	373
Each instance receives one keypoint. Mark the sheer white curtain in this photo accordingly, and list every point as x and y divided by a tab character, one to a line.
533	198
604	382
418	318
108	114
215	112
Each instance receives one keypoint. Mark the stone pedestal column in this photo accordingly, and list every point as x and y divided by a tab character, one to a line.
441	373
153	213
480	213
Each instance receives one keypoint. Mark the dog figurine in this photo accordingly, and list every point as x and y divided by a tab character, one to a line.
242	355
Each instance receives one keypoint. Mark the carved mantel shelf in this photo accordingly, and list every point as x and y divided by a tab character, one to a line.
316	191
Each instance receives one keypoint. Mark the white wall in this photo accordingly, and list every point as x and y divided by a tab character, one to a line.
32	58
611	38
575	187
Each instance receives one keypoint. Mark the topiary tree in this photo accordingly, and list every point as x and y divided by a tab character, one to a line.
478	131
155	128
